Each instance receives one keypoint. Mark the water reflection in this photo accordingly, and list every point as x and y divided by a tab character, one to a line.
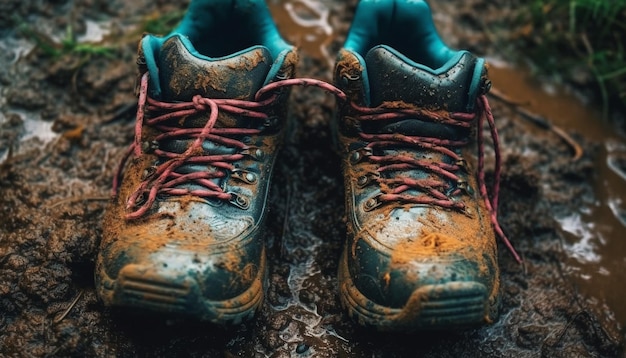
582	246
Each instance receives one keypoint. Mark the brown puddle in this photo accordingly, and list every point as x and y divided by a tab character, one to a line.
594	234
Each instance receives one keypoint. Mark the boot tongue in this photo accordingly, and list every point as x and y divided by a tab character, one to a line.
184	73
393	78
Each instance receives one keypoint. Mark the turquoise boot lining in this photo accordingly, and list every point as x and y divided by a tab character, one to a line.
405	28
405	25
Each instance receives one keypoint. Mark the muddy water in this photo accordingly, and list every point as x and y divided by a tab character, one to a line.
594	234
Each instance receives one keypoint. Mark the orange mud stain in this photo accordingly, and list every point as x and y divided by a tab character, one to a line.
248	273
348	65
175	84
152	233
186	200
142	231
197	151
386	281
114	222
252	280
248	61
408	316
269	144
148	134
441	233
397	105
187	75
290	63
231	261
433	243
170	227
433	113
208	77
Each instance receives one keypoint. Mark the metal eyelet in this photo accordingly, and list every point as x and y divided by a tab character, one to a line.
462	163
271	121
355	157
148	172
485	86
366	179
464	186
239	201
141	199
254	152
141	60
149	147
359	154
243	175
372	203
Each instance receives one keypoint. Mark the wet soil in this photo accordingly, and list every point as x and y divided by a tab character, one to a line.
65	122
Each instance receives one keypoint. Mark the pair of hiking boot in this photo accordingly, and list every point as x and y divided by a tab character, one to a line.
184	233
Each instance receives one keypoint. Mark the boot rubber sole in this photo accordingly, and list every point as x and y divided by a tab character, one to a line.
145	288
442	306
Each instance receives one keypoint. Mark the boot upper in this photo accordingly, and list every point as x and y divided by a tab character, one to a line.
415	214
206	204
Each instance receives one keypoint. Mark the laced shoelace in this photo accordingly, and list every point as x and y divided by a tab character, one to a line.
432	187
398	185
164	180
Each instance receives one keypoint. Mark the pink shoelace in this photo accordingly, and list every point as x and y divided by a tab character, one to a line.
434	187
164	180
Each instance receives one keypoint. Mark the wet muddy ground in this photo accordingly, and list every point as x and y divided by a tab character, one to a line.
65	122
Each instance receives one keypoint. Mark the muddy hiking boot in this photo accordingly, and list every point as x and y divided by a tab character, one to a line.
184	233
420	251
